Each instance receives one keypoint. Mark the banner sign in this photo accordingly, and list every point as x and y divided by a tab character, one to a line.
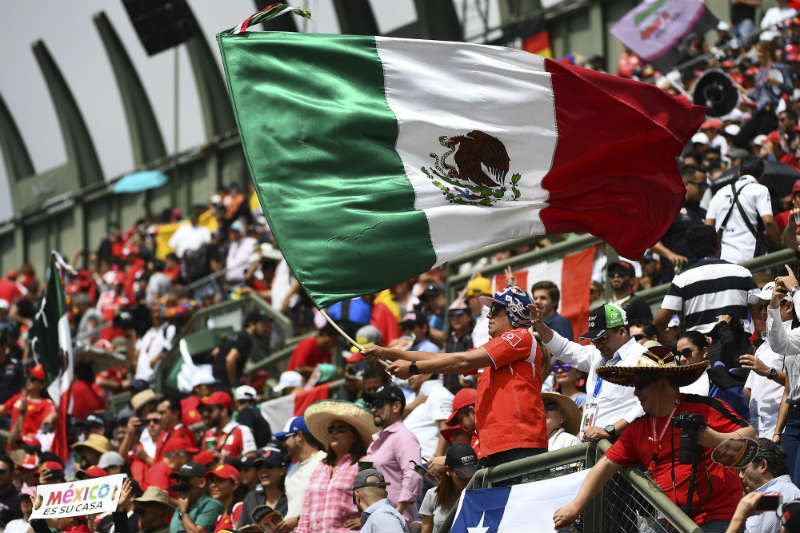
78	498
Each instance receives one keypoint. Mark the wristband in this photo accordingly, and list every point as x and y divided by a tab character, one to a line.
412	368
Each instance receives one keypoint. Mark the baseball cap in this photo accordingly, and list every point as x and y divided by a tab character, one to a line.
246	393
174	445
623	266
288	379
271	456
53	466
711	123
723	26
205	458
94	420
479	286
111	458
224	472
256	315
221	398
432	289
457	305
448	432
294	425
37	372
369	334
603	318
766	292
700	138
732	129
202	377
462	399
462	460
31	441
4	303
390	393
415	317
91	472
29	462
190	469
369	477
516	301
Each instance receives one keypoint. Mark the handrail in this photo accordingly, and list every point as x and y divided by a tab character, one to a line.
283	353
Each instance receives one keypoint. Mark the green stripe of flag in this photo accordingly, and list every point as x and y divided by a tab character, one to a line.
317	131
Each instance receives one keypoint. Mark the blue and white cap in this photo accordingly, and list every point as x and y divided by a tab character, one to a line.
294	425
516	301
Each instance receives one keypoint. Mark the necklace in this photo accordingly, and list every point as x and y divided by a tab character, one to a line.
658	439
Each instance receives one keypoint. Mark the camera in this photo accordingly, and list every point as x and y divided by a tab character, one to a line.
690	424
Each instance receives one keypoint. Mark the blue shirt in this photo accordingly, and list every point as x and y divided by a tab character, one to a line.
560	325
424	346
769	521
383	518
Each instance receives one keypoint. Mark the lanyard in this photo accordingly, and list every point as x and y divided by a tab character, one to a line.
597	385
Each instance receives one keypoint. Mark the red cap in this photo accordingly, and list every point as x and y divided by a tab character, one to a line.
52	466
796	187
711	123
752	71
355	357
30	440
72	288
220	398
728	64
12	274
37	372
224	472
774	137
462	399
29	463
447	433
91	472
173	445
204	458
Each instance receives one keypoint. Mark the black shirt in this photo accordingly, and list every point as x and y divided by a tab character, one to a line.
690	215
251	417
12	378
255	498
10	499
740	12
244	344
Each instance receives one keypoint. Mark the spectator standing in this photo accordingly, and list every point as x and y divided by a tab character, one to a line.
427	413
9	495
12	374
190	236
314	350
621	276
609	408
547	295
767	473
509	413
229	358
394	448
172	430
766	381
417	324
433	303
224	435
776	15
239	252
736	212
709	288
31	405
305	451
477	287
202	385
459	339
248	414
271	472
345	430
369	493
174	455
461	464
195	508
153	345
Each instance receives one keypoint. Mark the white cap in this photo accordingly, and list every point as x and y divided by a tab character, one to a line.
760	139
723	26
3	303
732	129
766	292
110	459
700	137
244	393
216	199
290	378
734	116
202	377
674	321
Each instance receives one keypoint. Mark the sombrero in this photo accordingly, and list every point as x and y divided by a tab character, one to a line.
572	415
319	415
658	361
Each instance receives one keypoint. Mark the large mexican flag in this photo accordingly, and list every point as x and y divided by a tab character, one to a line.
377	158
51	344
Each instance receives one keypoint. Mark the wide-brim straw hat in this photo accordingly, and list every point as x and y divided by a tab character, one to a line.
572	415
657	362
96	442
320	415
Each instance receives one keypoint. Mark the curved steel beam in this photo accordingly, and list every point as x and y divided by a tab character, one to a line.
15	156
355	17
439	20
146	139
77	141
217	112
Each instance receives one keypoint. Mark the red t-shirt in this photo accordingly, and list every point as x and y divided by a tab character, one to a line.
179	433
509	412
635	446
9	291
85	400
189	413
158	476
307	353
38	410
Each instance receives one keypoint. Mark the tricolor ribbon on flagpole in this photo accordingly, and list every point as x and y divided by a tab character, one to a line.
268	13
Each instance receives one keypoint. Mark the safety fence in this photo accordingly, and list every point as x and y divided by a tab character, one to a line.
630	501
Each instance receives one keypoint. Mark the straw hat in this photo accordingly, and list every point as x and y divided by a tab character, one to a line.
95	442
155	495
319	415
657	361
572	415
143	397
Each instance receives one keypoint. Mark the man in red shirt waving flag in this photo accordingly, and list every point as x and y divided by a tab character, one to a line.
509	414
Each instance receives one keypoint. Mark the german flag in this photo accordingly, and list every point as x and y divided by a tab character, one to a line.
536	38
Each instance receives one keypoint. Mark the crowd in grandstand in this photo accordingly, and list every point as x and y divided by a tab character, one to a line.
441	388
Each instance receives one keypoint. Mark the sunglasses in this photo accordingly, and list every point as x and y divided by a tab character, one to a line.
454	314
496	309
271	466
153	420
338	428
686	353
702	185
563	367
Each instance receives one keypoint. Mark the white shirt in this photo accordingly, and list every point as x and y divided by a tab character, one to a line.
614	402
297	483
480	333
699	387
148	444
765	393
770	522
738	243
238	255
424	420
561	439
774	16
153	342
719	142
781	340
188	237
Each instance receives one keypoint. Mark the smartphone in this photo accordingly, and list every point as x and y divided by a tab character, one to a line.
769	502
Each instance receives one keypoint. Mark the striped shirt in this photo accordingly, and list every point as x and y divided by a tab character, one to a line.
708	289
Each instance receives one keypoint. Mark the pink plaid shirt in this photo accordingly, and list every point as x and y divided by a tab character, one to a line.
329	500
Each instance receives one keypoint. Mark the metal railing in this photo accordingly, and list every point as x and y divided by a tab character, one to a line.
630	501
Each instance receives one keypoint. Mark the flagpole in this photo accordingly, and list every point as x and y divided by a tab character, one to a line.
347	337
